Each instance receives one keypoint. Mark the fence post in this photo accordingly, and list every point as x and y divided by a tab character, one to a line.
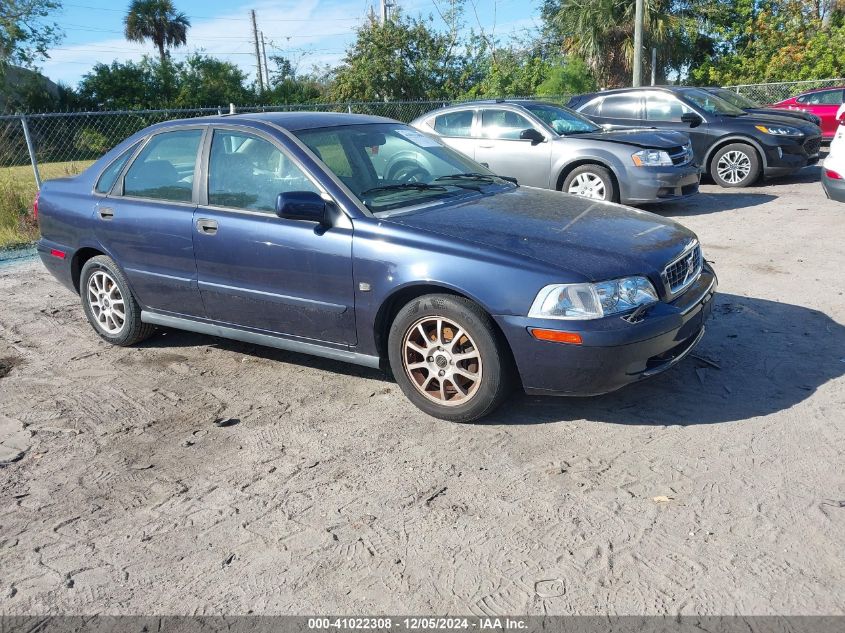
31	150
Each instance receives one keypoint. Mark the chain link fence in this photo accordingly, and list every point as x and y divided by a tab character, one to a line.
774	92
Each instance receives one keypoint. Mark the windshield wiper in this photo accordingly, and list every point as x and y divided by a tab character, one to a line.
421	186
470	175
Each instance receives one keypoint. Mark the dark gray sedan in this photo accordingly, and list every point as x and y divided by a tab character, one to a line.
545	145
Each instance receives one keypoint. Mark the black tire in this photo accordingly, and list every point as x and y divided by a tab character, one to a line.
611	194
488	358
132	330
747	163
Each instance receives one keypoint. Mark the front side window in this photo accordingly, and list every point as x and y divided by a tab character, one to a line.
389	166
503	124
827	97
562	120
109	176
620	107
454	123
248	172
164	170
660	107
710	103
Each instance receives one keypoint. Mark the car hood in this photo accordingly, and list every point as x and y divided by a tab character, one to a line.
648	138
596	240
751	120
781	113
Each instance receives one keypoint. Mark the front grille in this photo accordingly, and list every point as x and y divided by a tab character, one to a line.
684	270
680	155
813	145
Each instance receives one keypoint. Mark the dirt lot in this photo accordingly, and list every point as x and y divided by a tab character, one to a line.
717	488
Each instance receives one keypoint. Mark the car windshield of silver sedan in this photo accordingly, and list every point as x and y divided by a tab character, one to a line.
561	120
389	166
711	104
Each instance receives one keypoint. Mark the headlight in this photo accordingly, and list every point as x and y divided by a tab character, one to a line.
651	158
778	130
592	301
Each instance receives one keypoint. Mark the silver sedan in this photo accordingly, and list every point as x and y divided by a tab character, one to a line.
545	145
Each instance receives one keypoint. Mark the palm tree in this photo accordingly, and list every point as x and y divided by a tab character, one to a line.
156	20
601	32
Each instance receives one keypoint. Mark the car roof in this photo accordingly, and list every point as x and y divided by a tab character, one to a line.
814	90
291	121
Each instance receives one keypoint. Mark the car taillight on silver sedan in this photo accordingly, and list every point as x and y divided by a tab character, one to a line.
592	300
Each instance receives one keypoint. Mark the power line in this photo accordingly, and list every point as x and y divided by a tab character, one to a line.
214	17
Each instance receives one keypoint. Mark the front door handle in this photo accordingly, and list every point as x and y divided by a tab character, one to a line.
207	227
105	213
485	146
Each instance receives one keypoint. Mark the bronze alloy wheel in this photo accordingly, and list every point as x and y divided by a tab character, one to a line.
442	361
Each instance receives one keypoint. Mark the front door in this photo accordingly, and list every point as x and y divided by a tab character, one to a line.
502	150
664	111
260	271
146	222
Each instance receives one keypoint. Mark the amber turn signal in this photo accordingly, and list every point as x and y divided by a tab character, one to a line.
556	336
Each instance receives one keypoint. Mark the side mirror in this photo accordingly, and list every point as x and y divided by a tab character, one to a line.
692	119
301	205
532	135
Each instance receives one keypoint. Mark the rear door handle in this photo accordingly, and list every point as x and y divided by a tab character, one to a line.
105	213
207	227
485	146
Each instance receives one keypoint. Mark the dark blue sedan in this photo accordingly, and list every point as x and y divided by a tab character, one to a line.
364	240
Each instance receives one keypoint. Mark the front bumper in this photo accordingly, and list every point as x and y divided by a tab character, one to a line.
614	352
833	189
787	156
660	184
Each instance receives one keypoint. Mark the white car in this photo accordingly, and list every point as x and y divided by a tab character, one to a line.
833	168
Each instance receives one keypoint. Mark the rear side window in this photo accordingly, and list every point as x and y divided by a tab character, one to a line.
621	107
503	124
164	170
454	123
108	177
591	108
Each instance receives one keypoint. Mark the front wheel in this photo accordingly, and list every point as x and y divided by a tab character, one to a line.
591	181
735	165
447	358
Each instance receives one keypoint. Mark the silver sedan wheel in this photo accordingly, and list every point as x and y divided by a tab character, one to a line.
106	302
588	185
733	167
442	361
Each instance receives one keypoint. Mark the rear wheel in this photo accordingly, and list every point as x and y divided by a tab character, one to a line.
447	358
109	304
591	181
735	165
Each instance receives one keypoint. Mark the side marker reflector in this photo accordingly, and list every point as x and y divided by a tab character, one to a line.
556	336
56	253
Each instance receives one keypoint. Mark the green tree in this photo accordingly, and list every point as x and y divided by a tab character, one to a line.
121	86
203	81
567	77
158	21
404	58
25	31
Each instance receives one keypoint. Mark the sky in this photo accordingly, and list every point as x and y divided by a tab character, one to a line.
309	32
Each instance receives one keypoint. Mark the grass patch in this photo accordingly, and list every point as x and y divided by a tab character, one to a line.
17	191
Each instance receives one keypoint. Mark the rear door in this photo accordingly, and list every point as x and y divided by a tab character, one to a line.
455	129
145	222
256	269
500	147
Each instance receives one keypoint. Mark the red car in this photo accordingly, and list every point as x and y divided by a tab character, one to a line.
823	102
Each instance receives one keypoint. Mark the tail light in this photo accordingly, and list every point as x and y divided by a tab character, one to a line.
35	205
832	174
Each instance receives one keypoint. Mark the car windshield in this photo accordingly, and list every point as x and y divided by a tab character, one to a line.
562	120
389	165
710	103
736	99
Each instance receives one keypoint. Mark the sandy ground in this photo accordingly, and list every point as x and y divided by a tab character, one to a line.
713	489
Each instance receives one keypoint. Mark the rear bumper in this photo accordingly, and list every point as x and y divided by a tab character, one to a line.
614	353
57	259
659	184
833	189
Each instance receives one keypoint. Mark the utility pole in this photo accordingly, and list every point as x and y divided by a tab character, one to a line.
653	64
386	6
257	51
264	55
638	44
